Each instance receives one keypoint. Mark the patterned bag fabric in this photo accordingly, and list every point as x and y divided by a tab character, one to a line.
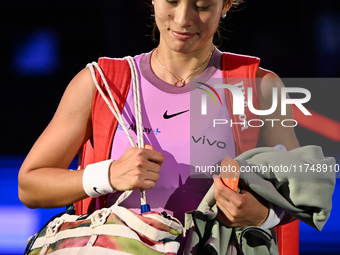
115	230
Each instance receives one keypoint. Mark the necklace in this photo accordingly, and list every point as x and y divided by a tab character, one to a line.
181	81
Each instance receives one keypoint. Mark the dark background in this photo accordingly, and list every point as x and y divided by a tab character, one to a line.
44	44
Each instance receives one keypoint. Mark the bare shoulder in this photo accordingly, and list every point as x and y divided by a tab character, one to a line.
69	129
264	73
266	81
273	132
78	95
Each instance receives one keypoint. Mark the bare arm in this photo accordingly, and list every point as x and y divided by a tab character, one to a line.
44	180
273	133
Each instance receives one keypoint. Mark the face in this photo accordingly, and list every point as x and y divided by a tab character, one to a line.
188	25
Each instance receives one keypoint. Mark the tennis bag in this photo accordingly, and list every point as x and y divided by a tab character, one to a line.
114	230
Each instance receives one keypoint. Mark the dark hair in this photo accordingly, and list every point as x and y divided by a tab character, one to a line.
234	2
218	38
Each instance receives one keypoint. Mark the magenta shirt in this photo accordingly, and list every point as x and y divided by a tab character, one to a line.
187	140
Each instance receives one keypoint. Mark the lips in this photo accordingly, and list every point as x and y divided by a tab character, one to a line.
183	36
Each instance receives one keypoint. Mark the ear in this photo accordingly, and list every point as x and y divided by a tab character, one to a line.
227	6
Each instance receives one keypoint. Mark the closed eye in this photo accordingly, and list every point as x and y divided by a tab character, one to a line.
202	8
171	2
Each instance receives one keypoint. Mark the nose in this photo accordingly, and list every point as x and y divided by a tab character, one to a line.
184	16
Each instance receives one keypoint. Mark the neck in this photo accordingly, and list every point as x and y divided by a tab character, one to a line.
177	67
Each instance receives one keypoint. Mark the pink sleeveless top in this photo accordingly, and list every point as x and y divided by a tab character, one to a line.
174	125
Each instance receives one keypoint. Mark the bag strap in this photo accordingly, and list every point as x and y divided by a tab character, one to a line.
111	104
240	68
116	112
118	74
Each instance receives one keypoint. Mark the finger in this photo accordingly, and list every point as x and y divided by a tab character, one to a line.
147	184
149	147
137	179
228	208
151	176
152	167
147	181
225	216
231	218
153	155
224	191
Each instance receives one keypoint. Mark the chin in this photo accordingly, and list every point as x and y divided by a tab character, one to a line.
183	47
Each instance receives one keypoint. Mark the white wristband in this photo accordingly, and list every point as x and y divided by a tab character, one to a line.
275	216
96	179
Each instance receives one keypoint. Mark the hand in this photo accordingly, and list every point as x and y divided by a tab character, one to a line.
137	168
239	210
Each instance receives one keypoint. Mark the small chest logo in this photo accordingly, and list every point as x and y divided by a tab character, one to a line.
169	116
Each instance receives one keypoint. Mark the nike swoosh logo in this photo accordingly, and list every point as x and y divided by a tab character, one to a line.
95	189
166	116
